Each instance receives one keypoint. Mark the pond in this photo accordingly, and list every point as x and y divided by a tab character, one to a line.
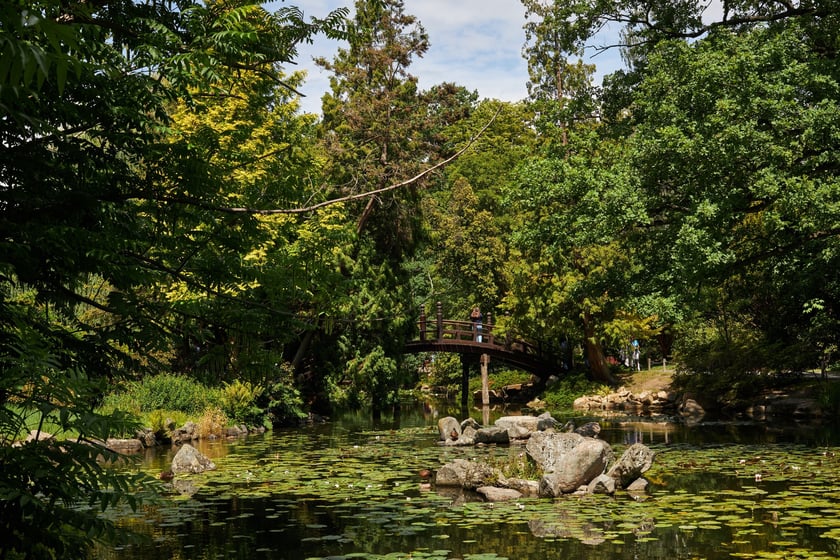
351	489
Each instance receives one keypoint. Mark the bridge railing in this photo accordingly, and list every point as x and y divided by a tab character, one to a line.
438	329
463	336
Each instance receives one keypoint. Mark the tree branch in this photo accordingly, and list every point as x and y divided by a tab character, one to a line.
788	10
313	207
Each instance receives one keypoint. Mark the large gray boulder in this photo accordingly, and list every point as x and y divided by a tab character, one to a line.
569	461
467	474
191	460
545	448
636	459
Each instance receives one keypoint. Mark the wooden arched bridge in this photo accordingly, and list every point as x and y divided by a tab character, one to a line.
437	334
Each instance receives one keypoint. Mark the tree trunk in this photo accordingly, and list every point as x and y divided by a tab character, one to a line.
598	366
303	348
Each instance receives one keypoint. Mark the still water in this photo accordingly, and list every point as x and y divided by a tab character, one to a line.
350	489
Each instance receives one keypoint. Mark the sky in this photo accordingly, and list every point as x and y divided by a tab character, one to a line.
476	44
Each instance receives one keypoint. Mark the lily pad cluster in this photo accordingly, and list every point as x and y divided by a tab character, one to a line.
332	494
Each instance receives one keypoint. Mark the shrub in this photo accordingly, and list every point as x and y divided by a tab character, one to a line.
499	379
212	422
162	392
162	422
282	400
239	402
828	397
443	370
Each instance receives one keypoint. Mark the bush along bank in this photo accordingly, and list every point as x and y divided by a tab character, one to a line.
175	410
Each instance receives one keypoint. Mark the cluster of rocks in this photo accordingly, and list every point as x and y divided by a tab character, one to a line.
572	461
626	401
147	438
693	408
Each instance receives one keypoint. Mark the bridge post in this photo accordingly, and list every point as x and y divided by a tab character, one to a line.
465	385
423	322
485	385
485	389
439	321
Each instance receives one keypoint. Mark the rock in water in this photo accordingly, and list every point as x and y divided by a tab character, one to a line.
637	459
449	428
590	429
191	460
568	460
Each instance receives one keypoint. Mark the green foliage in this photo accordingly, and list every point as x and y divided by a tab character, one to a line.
374	377
561	395
281	400
517	464
110	212
828	397
444	370
469	252
372	123
497	379
285	405
53	487
163	392
238	400
162	422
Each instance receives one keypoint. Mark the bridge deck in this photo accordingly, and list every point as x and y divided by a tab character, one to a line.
466	338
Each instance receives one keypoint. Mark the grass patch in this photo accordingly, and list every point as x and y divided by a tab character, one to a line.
499	379
562	394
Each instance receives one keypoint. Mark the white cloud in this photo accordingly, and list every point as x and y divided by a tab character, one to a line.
474	43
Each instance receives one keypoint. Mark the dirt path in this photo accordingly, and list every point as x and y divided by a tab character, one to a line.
641	381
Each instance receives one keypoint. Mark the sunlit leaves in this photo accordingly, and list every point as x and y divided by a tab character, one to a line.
105	207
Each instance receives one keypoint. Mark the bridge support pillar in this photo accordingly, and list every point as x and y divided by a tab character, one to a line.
485	389
465	385
485	384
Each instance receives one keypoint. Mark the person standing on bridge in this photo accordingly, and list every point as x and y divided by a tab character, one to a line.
476	318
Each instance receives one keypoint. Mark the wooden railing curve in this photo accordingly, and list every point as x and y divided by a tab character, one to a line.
464	337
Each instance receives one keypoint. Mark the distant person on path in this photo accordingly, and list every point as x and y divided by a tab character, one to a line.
476	318
636	355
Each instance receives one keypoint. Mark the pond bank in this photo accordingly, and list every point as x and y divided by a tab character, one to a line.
652	393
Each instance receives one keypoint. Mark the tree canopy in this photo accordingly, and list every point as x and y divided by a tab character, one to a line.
165	206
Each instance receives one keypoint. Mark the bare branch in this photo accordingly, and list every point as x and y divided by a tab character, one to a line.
313	207
786	10
377	191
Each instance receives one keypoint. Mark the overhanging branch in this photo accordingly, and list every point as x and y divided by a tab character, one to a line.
357	196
